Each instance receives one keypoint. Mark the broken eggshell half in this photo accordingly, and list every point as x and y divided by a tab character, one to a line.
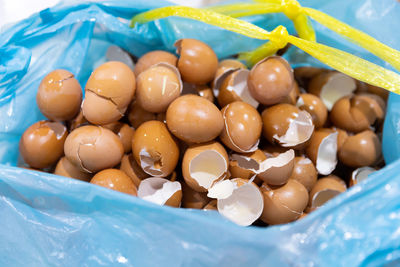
238	199
325	189
161	191
322	150
204	164
360	174
225	67
274	170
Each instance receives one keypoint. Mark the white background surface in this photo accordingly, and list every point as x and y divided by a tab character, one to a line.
15	10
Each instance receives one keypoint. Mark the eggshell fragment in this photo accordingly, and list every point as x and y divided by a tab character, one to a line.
154	149
315	107
285	203
270	80
234	88
243	172
124	132
93	148
322	150
360	174
194	119
157	87
152	58
204	164
161	191
65	168
331	86
130	167
243	126
108	93
192	199
244	204
304	172
225	67
325	189
137	115
59	95
197	62
362	149
287	125
116	180
274	170
42	144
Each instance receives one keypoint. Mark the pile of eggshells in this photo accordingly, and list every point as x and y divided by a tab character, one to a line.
266	145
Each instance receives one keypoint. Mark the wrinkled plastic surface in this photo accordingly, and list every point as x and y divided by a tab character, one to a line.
51	220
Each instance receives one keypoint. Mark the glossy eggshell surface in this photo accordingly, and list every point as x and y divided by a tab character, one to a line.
116	180
154	149
124	132
93	148
197	62
130	167
192	199
271	80
137	115
314	105
65	168
242	126
304	172
42	144
59	95
194	119
152	58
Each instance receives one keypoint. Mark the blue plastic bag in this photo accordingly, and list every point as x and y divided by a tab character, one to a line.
51	220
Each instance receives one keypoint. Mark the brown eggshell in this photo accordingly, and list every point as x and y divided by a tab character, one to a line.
292	97
93	148
125	133
271	80
175	200
152	58
197	62
360	174
154	149
212	205
218	165
67	169
201	90
42	144
376	103
137	115
109	91
279	174
367	88
132	169
192	199
342	137
285	203
240	172
313	105
332	185
194	119
157	87
76	122
362	149
242	127
306	73
116	180
59	96
304	172
161	191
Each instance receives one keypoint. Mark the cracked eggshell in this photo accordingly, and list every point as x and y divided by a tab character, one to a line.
242	127
376	103
130	167
280	167
353	114
152	58
93	148
154	149
137	115
194	119
287	125
362	149
322	150
234	88
315	107
325	189
42	144
243	172
304	172
161	191
116	180
192	199
59	95
245	203
360	174
270	80
283	204
331	86
65	168
197	61
108	92
124	132
157	87
204	164
225	67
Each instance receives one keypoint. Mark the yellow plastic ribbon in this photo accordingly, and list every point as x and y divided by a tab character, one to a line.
344	62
